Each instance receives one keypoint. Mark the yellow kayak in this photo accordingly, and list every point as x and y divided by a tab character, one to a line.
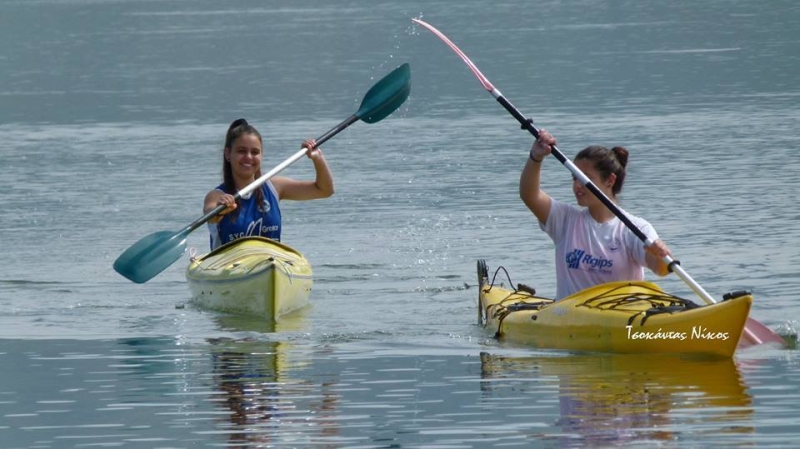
253	276
618	317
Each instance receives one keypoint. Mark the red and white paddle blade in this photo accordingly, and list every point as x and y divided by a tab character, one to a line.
484	81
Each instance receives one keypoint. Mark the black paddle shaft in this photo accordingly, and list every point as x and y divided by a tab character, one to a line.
341	126
527	123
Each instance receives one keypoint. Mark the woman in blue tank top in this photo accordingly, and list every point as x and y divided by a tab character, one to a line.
258	214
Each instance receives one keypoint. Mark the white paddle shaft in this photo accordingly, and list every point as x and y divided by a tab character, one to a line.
279	168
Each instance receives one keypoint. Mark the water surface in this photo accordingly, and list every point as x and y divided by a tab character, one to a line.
112	116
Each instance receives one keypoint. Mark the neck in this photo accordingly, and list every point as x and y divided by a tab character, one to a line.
242	182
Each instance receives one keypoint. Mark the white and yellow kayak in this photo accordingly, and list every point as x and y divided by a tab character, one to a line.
618	317
253	276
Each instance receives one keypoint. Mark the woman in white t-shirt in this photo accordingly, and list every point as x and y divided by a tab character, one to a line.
592	245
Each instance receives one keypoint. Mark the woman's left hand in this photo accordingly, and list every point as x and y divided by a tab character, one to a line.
313	152
659	249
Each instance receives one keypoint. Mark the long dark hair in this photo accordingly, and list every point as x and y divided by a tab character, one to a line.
238	128
606	162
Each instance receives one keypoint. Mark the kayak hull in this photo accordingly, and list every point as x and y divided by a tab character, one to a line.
252	276
618	317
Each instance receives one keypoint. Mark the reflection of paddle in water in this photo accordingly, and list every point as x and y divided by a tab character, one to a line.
266	404
605	399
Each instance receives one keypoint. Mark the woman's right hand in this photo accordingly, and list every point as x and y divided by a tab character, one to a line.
226	200
542	146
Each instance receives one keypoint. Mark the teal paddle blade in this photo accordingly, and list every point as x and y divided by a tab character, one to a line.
150	255
386	95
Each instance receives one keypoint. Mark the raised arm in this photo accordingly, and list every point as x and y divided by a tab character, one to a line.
530	190
321	187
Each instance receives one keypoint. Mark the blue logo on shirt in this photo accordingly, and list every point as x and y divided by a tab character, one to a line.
579	256
574	258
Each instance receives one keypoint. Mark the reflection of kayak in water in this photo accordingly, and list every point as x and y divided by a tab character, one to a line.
718	380
265	401
615	398
294	322
618	317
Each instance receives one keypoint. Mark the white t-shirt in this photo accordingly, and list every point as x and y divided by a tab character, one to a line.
590	253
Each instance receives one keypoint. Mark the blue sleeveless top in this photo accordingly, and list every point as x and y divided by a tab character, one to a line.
264	221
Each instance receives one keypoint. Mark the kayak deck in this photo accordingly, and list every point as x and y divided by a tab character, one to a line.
253	276
618	317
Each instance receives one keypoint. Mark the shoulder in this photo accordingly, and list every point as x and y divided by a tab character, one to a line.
216	192
564	209
561	217
269	188
643	225
639	221
281	182
278	185
220	188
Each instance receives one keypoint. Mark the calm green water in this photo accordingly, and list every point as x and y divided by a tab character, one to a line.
112	116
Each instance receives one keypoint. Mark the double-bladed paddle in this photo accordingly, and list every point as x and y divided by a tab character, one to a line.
754	331
154	253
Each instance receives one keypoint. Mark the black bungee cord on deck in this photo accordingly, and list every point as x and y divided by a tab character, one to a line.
657	299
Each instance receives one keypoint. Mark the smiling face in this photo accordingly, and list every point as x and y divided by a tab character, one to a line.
584	197
244	155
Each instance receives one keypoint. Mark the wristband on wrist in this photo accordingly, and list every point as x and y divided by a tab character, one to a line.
535	161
